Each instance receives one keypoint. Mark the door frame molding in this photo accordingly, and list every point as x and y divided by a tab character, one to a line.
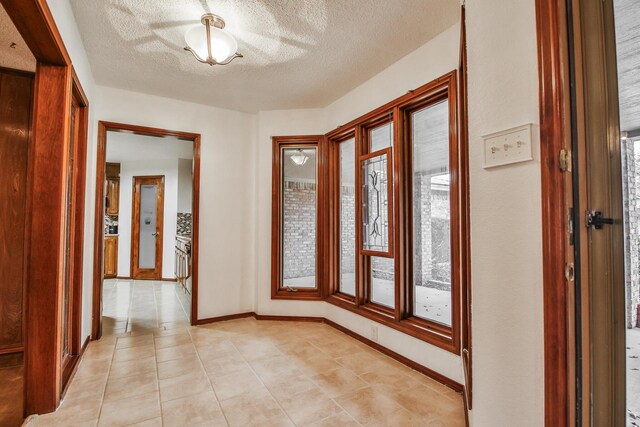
135	226
45	220
103	128
551	24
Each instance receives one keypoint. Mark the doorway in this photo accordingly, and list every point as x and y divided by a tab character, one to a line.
147	221
148	191
590	82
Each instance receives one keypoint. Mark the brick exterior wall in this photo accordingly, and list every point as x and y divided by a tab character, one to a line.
299	230
631	189
347	229
432	245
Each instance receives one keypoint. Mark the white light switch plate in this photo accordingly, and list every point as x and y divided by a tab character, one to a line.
508	146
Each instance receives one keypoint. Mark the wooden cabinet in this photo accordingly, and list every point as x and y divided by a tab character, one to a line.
110	256
112	189
113	197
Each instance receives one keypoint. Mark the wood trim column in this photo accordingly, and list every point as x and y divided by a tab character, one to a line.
551	29
45	222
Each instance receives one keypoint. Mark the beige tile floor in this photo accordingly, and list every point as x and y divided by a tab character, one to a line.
244	373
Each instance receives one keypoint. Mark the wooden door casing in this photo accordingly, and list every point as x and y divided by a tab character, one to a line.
156	272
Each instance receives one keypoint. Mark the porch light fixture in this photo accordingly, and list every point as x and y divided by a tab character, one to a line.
299	158
209	43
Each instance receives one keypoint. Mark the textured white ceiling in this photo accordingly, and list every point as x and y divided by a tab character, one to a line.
627	13
127	147
18	57
297	53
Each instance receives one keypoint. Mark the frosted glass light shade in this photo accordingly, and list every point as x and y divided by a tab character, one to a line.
223	45
299	158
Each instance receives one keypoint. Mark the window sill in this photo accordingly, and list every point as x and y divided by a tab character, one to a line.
432	333
300	295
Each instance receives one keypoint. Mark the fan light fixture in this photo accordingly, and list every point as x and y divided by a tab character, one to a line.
299	158
209	43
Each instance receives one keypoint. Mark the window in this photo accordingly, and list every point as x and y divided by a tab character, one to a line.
347	218
431	213
390	223
296	243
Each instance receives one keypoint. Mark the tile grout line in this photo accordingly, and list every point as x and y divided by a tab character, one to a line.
262	382
208	379
155	356
180	302
104	391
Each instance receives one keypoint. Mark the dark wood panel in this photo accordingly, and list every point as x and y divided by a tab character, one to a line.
16	95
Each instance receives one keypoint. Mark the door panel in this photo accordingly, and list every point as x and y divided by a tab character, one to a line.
148	210
599	252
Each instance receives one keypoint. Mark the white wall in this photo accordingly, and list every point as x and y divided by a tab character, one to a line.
168	168
226	189
432	60
506	232
185	185
65	21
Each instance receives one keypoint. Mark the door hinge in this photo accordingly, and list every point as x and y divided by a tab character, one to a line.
597	220
564	159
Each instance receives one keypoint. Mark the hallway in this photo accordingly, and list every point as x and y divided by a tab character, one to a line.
153	369
142	305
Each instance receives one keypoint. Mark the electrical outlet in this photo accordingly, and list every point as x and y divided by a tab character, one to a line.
373	333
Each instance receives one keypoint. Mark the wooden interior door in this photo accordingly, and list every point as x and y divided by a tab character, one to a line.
147	222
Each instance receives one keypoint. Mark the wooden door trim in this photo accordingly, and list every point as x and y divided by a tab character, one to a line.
81	103
45	200
38	29
135	229
551	20
103	128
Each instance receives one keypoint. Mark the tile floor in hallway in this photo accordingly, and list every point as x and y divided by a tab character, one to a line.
139	305
243	373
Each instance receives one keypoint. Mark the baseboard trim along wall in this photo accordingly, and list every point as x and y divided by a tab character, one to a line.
454	385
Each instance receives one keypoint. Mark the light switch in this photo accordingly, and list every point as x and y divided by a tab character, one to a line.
508	146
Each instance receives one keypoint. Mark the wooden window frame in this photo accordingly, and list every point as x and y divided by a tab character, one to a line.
277	290
334	239
400	317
